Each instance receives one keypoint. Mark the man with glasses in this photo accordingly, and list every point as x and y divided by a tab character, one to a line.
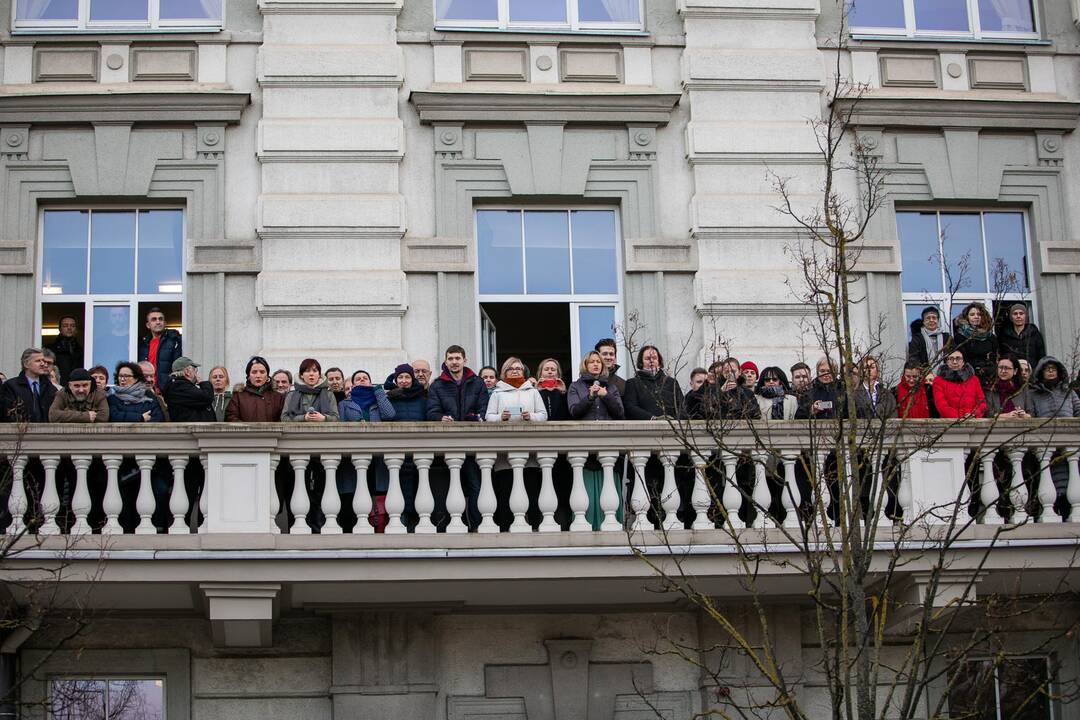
422	371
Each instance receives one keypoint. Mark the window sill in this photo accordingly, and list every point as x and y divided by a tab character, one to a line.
543	31
22	32
867	40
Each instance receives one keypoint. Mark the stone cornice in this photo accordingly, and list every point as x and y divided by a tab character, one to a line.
1026	113
17	105
330	7
489	105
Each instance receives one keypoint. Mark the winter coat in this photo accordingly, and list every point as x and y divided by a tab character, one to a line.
1020	397
170	347
912	403
121	410
251	405
765	405
525	398
865	409
980	350
304	397
613	378
66	409
958	393
221	401
17	402
582	407
555	403
653	396
916	349
410	404
381	410
189	402
712	402
69	355
1027	344
466	400
824	392
1056	401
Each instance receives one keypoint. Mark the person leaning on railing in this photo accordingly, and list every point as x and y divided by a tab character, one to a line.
652	393
131	399
552	389
515	397
257	401
824	394
593	397
81	401
310	400
913	394
1051	397
1007	396
958	393
28	396
774	395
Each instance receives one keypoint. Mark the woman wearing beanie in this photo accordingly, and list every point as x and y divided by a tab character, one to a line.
1022	338
749	373
774	395
365	403
407	395
928	338
257	402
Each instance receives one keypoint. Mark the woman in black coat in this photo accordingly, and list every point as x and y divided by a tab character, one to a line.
652	393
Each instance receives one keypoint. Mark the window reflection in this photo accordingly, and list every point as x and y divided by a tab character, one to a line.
107	699
944	15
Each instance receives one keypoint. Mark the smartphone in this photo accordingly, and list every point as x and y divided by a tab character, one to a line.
515	411
825	404
549	384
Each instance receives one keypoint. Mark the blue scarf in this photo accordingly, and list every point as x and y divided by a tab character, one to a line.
363	396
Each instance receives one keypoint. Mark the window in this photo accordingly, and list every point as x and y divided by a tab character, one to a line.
548	281
106	268
979	19
1015	689
117	15
953	258
107	699
575	15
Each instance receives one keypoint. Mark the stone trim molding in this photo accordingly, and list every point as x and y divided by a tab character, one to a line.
1006	114
39	108
330	7
499	105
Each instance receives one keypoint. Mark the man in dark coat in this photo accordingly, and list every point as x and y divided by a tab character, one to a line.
67	348
609	352
161	347
188	399
727	399
824	398
28	396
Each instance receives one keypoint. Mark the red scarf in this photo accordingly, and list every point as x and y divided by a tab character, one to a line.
515	382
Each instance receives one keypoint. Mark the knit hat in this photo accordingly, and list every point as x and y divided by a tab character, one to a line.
405	368
930	309
748	365
1018	306
79	375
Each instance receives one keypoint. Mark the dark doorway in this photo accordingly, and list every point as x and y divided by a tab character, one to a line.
532	332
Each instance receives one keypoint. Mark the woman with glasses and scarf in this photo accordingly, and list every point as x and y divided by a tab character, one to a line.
131	399
928	338
774	395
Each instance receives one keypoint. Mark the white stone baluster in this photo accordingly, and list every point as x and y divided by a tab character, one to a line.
455	496
17	499
299	502
1047	493
331	500
639	496
361	501
178	499
198	520
144	503
548	500
486	501
519	499
822	475
113	503
761	495
80	497
395	500
1018	492
905	495
579	498
609	493
50	499
877	464
425	499
670	494
1072	492
790	495
701	499
732	497
275	503
988	491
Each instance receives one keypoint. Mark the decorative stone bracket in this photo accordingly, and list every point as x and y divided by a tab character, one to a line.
241	614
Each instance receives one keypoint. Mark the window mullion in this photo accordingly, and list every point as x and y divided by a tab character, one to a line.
909	17
572	15
504	14
974	20
153	13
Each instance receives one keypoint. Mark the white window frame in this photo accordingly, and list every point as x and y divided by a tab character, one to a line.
944	299
997	680
83	23
574	300
112	678
572	23
975	31
91	300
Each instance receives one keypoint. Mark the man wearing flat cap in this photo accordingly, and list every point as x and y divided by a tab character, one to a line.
80	401
188	399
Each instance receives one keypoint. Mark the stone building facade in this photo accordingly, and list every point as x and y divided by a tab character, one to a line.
369	181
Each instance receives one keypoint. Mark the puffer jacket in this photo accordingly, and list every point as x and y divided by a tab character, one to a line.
1057	400
410	404
582	407
526	399
466	400
958	393
912	402
253	404
653	395
304	397
1027	344
66	409
381	410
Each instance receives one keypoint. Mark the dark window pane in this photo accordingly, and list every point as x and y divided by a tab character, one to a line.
47	10
947	15
466	10
961	242
498	246
105	10
78	700
136	700
547	11
876	13
614	11
596	265
190	10
919	252
161	251
547	253
112	252
63	268
973	693
1024	689
1007	251
1007	16
112	330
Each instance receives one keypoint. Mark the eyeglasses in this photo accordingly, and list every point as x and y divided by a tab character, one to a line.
515	368
125	376
771	379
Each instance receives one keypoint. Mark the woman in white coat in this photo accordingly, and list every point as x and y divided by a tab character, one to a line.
515	399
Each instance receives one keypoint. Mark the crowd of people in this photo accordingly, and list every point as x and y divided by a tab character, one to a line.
969	373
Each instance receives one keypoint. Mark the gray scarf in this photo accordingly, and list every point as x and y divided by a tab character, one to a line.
132	394
934	343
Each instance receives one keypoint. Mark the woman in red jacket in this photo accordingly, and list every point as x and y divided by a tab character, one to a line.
911	394
957	390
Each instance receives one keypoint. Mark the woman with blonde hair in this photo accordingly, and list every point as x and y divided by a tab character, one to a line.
219	381
593	397
552	388
515	397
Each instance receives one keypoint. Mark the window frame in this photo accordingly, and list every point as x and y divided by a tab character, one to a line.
107	679
974	32
1047	660
83	23
945	300
572	24
91	300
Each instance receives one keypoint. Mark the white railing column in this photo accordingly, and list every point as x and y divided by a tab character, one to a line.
670	498
113	503
790	495
486	502
548	500
579	498
50	499
639	496
609	494
878	489
178	499
519	499
425	499
1018	492
275	504
17	499
144	503
988	491
299	502
362	497
731	497
1072	492
904	499
395	499
822	478
701	499
761	495
198	520
455	497
1047	493
80	497
331	500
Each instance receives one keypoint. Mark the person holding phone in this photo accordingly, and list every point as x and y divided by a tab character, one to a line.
310	400
552	389
515	398
821	400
